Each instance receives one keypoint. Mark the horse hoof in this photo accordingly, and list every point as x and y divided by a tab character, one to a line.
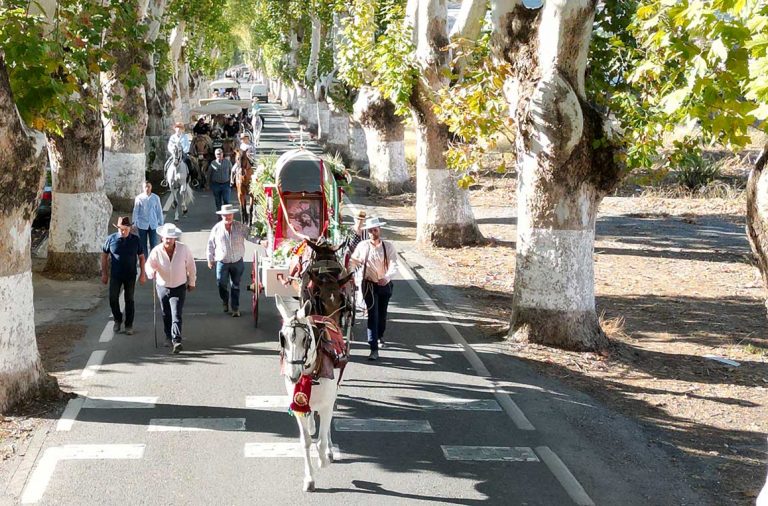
309	486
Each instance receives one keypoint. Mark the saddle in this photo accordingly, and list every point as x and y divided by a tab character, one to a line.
334	353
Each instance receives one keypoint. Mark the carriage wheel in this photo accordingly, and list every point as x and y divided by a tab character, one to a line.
256	289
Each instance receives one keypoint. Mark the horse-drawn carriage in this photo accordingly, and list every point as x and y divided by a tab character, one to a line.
303	234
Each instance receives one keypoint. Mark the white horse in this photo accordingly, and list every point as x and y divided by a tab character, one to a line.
299	353
177	179
256	125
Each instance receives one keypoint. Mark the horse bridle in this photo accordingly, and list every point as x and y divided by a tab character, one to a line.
306	328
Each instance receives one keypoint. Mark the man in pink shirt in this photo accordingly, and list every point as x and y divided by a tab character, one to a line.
173	264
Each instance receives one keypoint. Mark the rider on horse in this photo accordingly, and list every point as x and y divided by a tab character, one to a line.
181	138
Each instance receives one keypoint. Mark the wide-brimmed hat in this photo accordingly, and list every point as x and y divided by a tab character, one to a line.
245	134
123	221
179	124
169	230
228	209
374	222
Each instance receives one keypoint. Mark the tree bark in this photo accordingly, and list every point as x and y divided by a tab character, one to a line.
22	163
757	214
81	209
358	148
385	141
444	215
323	112
565	167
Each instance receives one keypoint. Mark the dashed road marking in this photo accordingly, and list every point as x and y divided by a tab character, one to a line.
94	364
70	413
196	424
283	450
461	404
120	403
42	474
267	401
381	425
107	334
564	476
490	453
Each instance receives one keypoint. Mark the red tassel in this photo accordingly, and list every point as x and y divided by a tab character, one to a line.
301	394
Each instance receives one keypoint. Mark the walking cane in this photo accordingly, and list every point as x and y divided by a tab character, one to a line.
154	308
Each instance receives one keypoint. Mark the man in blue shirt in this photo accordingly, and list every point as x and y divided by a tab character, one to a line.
147	216
119	255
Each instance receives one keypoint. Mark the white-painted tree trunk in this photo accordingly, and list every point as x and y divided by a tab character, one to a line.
384	139
337	140
23	152
358	149
561	177
444	215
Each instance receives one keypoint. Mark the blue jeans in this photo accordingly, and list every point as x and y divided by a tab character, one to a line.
377	301
143	236
172	305
230	274
220	194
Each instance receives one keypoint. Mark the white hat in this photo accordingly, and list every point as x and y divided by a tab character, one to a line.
245	134
228	209
169	230
374	222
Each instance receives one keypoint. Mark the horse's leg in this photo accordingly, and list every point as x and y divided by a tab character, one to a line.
176	205
327	402
306	443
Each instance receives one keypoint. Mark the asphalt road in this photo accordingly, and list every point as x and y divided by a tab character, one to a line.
425	424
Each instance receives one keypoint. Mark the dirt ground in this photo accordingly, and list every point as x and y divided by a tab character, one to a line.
674	283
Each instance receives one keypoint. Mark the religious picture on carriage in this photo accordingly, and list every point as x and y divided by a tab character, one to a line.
304	217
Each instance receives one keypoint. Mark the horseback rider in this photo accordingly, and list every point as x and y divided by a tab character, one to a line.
247	148
180	138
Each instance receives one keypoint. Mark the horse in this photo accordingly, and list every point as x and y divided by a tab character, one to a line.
301	354
201	155
177	179
257	123
243	172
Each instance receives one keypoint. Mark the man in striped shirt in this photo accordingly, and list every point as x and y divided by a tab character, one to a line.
226	248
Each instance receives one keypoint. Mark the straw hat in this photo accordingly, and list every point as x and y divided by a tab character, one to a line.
374	222
228	209
179	124
123	221
169	230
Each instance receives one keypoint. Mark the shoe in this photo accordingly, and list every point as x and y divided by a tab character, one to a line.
177	347
226	307
129	331
381	342
373	356
168	343
116	327
236	313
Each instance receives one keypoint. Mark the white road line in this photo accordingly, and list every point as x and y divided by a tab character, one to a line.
381	425
70	413
120	403
42	474
267	401
461	404
168	203
94	364
489	453
107	334
284	450
196	424
564	476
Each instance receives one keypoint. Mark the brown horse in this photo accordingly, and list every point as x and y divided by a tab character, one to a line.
201	155
242	173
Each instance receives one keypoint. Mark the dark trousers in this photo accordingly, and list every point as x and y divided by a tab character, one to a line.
128	285
220	193
377	301
144	235
172	304
230	274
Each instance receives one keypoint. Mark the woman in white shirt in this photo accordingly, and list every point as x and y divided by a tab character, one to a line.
378	260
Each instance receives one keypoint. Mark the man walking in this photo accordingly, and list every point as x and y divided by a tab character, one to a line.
119	256
379	261
220	172
173	265
147	216
226	248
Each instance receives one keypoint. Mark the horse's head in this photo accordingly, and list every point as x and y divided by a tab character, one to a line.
178	151
329	288
297	340
323	250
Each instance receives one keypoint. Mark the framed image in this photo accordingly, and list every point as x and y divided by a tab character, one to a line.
304	216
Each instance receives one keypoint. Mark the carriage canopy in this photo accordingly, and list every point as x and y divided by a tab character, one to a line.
299	171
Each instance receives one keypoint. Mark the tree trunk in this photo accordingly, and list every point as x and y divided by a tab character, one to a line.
565	167
22	162
757	214
125	159
384	139
81	209
358	148
444	215
323	113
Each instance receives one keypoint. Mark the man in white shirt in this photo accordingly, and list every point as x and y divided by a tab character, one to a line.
180	137
147	217
226	248
173	265
378	260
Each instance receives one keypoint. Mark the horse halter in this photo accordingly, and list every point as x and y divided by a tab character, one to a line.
308	330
